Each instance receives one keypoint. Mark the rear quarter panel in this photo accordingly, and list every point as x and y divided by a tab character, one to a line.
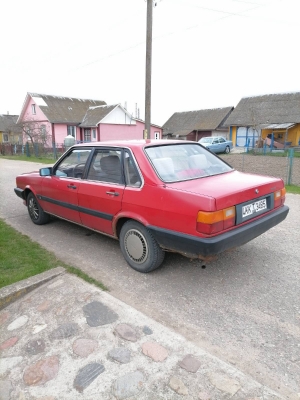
165	207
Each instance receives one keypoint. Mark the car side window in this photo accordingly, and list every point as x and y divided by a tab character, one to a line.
215	141
73	165
222	140
132	176
106	166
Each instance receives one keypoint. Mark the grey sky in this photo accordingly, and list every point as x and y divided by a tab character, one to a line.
206	53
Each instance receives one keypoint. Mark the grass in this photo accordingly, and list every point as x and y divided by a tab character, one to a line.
43	160
260	152
292	189
21	258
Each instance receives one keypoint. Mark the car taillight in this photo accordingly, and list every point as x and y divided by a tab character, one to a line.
216	221
279	197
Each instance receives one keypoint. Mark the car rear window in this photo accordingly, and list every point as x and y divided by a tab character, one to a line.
178	162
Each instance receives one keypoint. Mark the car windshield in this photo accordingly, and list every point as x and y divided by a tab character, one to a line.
206	140
179	162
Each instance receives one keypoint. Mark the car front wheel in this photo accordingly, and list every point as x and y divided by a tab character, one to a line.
227	150
139	248
35	211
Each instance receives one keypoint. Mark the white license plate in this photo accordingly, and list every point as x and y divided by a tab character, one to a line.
254	207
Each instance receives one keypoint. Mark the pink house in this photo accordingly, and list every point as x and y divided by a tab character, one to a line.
51	118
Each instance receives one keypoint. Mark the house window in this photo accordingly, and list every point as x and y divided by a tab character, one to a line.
72	131
94	134
156	135
5	137
33	109
87	135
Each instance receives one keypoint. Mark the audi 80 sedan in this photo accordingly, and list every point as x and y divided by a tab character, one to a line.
155	196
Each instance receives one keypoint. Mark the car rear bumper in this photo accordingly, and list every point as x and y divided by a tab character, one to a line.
204	248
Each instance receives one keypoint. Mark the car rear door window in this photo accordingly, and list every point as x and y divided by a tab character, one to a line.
132	175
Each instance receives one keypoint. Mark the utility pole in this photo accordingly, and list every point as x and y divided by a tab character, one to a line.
148	70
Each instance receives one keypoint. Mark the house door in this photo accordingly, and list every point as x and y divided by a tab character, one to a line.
87	135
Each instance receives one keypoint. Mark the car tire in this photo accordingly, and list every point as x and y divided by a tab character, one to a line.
35	211
227	150
139	248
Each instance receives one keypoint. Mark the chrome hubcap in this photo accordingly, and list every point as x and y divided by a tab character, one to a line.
136	246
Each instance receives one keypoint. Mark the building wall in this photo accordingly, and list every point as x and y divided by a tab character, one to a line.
39	118
293	135
29	116
224	133
233	134
126	132
118	116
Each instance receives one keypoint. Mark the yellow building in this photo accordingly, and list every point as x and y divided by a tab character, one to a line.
273	118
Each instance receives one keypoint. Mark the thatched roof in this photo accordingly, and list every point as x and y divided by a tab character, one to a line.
8	123
183	123
267	109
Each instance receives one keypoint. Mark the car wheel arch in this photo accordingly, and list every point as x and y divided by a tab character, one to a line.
122	219
27	191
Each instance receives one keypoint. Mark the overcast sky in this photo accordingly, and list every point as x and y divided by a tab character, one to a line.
206	53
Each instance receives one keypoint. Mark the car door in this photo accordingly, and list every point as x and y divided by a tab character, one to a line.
214	145
222	145
100	195
60	190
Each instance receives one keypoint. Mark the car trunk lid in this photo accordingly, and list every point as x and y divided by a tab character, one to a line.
230	188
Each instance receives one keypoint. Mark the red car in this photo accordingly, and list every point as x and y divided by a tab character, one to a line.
155	196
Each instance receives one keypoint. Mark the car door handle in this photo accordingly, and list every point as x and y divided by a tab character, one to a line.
71	186
113	193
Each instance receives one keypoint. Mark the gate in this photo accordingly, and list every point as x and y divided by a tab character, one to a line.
246	137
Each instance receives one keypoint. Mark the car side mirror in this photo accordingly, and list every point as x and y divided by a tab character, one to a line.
46	171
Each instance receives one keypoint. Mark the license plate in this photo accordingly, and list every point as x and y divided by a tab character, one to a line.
252	208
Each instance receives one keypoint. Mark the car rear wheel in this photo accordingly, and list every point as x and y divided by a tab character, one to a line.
227	150
35	211
139	248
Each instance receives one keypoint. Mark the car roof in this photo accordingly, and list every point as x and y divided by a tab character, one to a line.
133	143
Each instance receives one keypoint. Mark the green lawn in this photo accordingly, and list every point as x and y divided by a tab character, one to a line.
21	258
292	189
44	160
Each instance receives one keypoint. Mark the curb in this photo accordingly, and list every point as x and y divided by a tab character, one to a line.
13	292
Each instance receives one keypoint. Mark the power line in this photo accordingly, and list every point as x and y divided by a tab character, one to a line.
227	15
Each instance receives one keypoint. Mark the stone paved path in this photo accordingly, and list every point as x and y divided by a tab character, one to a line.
69	340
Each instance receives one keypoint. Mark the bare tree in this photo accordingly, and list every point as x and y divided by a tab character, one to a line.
35	132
